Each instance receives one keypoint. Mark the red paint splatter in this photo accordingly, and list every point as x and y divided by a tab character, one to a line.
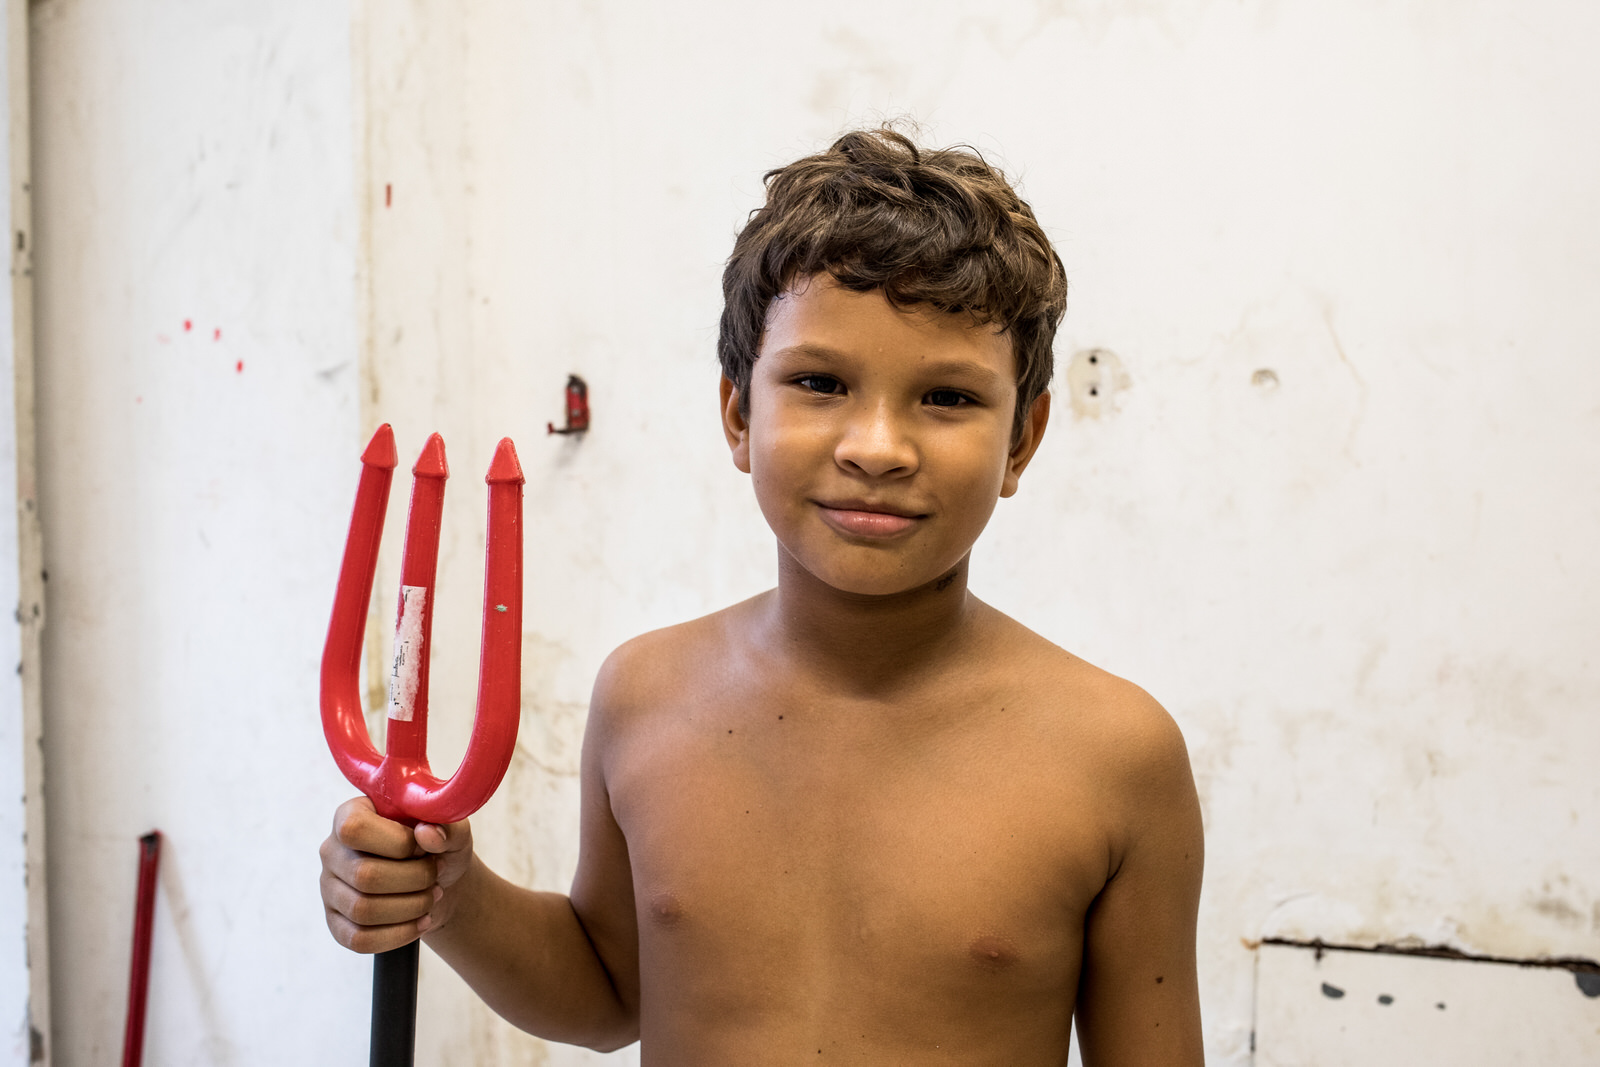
216	335
187	325
388	195
138	400
238	368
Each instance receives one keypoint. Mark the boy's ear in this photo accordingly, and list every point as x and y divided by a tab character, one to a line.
734	426
1022	452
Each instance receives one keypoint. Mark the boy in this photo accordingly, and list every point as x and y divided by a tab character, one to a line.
862	817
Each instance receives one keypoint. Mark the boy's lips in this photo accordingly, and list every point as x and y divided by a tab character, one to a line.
867	519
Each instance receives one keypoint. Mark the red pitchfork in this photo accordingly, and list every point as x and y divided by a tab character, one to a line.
399	782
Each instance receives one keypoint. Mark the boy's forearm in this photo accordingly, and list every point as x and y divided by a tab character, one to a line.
527	955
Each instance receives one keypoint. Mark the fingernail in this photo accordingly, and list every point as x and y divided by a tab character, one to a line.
424	924
438	893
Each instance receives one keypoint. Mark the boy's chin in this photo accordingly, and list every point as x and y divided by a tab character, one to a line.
868	585
874	590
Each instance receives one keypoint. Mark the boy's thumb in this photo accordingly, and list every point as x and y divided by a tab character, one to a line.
434	838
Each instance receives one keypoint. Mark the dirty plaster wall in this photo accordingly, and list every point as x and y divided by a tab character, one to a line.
1334	514
1361	582
196	314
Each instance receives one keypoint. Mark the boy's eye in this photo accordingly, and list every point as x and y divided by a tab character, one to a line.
820	383
947	398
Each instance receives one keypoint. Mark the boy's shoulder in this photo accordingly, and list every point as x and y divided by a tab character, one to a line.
1126	728
1070	686
643	672
1111	744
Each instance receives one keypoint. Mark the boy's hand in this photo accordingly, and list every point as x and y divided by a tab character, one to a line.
385	885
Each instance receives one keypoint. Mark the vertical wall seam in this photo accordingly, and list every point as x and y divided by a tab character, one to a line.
30	536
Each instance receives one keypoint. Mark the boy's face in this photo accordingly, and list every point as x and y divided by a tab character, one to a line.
878	439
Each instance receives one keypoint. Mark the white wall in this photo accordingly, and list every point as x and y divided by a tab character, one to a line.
1365	594
193	167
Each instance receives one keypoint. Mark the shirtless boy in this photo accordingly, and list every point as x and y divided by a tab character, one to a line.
863	817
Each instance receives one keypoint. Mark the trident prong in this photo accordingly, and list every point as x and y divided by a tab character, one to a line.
399	781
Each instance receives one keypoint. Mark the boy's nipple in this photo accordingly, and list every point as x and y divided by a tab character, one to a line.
666	909
993	953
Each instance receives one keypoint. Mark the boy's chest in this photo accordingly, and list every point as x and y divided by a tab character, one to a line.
803	859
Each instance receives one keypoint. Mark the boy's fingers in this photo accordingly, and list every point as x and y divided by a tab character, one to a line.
370	939
377	875
366	910
358	826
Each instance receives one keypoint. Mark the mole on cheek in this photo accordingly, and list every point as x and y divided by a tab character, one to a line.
993	953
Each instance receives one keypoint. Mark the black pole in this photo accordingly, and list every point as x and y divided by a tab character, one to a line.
394	1006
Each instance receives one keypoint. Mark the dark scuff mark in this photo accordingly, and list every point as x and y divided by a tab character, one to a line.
1385	999
1578	965
1333	992
1588	982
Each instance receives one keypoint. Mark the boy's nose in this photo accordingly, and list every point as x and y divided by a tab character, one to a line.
875	444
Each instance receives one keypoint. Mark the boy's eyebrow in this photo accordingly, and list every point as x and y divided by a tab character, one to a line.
965	368
808	348
971	370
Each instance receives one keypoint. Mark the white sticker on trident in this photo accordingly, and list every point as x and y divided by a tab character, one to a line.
407	653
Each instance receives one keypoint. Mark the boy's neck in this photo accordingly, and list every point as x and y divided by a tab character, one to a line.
869	644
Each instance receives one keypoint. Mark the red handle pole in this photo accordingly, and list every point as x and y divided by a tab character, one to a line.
139	971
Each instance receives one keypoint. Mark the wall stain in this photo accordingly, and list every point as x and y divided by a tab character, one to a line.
551	732
203	978
1095	380
860	62
1559	910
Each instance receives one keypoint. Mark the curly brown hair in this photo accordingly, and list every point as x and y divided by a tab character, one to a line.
937	227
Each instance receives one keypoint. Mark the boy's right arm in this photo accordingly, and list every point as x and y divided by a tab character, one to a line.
525	953
558	967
